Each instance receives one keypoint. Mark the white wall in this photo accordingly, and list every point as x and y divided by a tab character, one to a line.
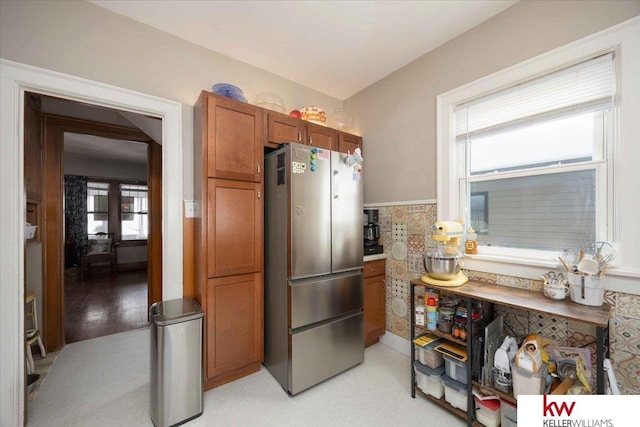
81	165
397	115
84	40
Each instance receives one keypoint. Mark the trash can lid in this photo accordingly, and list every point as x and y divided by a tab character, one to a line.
175	311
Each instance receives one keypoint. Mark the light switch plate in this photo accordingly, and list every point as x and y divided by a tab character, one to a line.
191	209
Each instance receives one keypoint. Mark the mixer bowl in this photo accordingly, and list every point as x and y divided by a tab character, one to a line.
442	267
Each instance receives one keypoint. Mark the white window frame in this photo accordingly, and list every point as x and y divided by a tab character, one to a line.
624	40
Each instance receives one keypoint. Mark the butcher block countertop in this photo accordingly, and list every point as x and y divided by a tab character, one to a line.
528	300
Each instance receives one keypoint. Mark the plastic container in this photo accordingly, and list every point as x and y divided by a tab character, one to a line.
455	393
508	414
525	382
488	412
586	290
455	369
429	380
270	101
428	356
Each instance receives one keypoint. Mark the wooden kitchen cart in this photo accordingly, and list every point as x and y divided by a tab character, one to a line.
520	299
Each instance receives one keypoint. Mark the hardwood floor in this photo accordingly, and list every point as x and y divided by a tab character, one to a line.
104	304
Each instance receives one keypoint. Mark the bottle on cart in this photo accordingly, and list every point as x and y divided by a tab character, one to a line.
420	312
432	314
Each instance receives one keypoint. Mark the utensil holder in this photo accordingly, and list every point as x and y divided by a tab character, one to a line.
587	290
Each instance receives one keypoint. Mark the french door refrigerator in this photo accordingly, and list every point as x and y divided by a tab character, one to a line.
314	323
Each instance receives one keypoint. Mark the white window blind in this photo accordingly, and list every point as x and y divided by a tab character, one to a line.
584	87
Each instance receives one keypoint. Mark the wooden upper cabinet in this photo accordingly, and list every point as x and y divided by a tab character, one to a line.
234	135
322	137
32	147
347	143
234	227
282	128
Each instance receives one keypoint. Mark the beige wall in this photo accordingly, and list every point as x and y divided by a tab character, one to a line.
81	39
397	115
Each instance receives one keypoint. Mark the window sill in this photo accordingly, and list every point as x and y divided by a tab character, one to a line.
618	279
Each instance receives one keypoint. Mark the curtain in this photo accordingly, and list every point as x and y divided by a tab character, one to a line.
75	217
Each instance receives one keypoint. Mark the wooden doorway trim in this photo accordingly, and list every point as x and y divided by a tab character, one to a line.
54	128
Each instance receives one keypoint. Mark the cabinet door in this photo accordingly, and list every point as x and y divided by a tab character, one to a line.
322	137
374	309
282	128
234	323
347	143
234	140
234	227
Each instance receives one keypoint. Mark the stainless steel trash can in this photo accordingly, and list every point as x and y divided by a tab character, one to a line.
177	391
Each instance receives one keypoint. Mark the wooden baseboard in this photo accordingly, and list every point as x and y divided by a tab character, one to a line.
231	376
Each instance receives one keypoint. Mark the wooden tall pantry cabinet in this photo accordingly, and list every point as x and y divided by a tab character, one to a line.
228	158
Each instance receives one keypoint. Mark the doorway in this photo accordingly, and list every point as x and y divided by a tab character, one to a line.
106	284
72	129
15	80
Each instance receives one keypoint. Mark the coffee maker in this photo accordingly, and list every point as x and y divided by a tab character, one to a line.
371	232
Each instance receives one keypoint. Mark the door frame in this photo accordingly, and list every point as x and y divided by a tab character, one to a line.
52	230
15	80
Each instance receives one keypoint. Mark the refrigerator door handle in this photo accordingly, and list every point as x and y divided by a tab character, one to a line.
336	185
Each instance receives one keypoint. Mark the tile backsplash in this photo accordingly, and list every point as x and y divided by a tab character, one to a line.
405	234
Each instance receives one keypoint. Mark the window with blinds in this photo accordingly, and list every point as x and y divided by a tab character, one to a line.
535	158
134	212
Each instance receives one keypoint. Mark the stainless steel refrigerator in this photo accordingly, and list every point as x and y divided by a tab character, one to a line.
313	265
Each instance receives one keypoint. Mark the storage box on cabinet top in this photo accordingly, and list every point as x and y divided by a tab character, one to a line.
525	382
488	412
429	380
455	393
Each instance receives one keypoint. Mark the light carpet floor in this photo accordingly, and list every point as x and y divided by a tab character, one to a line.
105	382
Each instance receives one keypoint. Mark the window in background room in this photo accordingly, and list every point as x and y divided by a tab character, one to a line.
535	159
133	212
97	207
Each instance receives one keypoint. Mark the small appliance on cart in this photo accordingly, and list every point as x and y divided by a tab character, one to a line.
444	265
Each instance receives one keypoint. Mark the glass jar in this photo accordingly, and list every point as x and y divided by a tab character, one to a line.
446	320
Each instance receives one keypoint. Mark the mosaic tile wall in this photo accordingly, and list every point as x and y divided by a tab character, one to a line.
405	233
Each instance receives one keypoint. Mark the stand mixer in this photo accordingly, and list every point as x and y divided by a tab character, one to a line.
443	266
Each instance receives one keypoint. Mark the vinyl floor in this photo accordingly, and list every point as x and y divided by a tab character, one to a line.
106	382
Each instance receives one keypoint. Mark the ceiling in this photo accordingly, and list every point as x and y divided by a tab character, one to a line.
335	47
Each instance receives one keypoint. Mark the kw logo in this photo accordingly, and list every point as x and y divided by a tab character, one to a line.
552	409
